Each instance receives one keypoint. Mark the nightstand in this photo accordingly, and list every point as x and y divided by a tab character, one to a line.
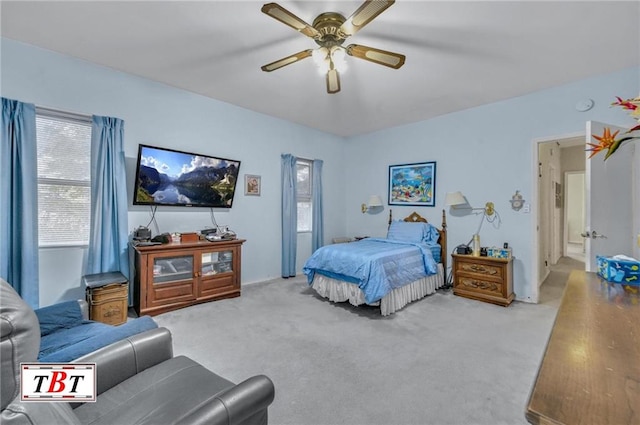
483	278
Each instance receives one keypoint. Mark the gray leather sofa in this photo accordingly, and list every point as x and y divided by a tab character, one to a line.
138	381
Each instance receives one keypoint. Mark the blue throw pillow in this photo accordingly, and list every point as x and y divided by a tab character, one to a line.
59	316
406	231
431	234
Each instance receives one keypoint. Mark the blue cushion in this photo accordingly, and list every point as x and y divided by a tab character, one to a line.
406	231
59	316
431	234
64	338
88	337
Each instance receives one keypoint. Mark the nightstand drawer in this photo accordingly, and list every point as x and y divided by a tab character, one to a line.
482	270
478	284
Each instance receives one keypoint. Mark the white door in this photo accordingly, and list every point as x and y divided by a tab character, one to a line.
608	199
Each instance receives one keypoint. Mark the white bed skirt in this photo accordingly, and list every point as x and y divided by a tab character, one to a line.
341	291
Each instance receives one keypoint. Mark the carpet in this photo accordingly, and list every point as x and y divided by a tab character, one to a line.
441	360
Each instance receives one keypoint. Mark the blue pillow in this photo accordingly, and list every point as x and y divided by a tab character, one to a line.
406	231
431	234
59	316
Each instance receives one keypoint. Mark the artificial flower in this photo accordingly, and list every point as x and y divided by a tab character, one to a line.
608	141
626	104
605	142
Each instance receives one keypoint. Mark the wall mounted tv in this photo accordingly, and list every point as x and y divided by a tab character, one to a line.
176	178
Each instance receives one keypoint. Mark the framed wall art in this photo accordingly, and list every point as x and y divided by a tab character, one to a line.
413	184
252	185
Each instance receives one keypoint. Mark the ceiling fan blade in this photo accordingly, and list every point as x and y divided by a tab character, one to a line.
287	61
283	15
365	14
381	57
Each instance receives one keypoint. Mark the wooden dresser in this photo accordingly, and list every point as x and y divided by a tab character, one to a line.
590	372
483	278
176	275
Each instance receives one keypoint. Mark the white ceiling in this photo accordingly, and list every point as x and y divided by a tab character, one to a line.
459	54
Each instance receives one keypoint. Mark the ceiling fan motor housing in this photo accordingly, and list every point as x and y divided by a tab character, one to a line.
328	25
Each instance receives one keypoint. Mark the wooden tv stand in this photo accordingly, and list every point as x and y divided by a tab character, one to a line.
176	275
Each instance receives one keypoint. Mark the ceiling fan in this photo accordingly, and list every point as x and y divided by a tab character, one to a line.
330	30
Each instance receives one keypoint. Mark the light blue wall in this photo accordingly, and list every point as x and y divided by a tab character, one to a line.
160	115
485	152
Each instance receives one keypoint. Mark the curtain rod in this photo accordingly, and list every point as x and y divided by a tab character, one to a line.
66	115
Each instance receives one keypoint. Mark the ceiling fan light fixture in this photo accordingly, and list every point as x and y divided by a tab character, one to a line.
324	67
338	56
320	55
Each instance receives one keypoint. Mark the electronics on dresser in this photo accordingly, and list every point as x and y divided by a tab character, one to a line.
229	235
142	234
463	250
162	238
147	243
207	231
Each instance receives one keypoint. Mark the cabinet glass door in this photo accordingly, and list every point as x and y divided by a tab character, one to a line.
214	263
171	269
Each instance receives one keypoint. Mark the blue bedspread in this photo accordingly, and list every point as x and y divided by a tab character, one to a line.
376	265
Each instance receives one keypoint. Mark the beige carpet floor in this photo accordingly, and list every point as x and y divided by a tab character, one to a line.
441	360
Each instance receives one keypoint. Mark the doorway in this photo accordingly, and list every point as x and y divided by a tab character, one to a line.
560	198
574	215
610	199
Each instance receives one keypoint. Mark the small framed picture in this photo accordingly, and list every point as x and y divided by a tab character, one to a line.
252	185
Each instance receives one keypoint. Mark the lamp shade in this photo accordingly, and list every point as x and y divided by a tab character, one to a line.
454	198
375	201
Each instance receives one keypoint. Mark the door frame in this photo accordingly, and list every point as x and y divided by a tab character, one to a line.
535	240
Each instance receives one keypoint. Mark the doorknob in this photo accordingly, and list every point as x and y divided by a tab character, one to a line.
592	235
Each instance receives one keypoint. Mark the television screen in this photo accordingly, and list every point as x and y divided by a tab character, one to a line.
171	177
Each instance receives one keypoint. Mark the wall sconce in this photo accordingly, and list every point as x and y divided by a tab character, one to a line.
456	200
374	201
517	201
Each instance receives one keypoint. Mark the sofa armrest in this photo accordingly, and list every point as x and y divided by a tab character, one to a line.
128	357
245	403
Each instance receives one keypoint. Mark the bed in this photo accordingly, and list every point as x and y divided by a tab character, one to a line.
391	272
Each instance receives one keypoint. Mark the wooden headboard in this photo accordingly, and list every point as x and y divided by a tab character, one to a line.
414	217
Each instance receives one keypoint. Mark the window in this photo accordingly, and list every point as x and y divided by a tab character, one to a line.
304	170
64	178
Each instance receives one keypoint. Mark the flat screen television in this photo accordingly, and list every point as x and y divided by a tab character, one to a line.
171	177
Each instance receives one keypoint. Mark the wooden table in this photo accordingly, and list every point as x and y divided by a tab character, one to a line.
590	372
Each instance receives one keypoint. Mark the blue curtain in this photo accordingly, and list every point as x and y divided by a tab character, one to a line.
19	200
289	215
108	240
317	232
